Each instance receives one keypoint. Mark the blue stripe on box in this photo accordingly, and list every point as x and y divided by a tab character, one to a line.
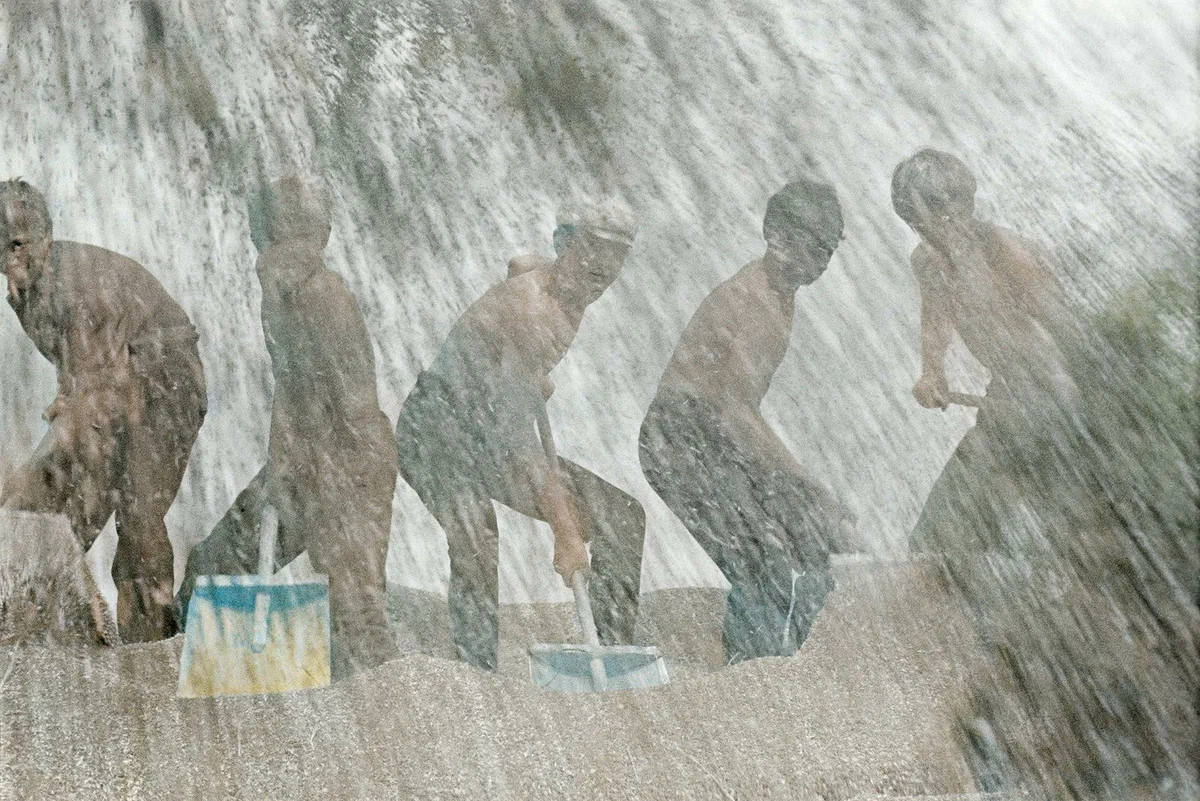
242	598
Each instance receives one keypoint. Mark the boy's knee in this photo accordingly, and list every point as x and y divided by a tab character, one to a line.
636	512
204	558
29	489
626	513
143	558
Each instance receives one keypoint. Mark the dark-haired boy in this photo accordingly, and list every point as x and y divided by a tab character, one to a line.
991	287
1065	521
709	453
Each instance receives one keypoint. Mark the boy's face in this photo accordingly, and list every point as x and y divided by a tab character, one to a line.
942	228
26	249
596	261
802	257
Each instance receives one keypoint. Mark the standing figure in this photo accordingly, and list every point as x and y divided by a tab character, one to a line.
130	402
331	460
467	438
710	455
1065	520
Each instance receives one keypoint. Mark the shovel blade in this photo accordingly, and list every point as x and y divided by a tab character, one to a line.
568	668
220	652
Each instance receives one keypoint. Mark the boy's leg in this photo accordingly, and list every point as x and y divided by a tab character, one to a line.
802	522
232	547
810	590
705	482
349	543
961	514
473	539
617	526
771	606
438	459
55	481
39	485
152	464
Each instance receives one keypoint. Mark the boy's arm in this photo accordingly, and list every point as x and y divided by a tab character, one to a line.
1043	298
937	329
525	388
97	388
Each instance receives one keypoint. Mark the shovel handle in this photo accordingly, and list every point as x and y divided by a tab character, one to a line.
262	611
268	534
583	608
583	604
546	435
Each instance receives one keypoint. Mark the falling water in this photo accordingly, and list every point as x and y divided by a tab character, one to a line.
449	132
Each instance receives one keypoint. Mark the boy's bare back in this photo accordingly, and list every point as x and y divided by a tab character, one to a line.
734	343
514	334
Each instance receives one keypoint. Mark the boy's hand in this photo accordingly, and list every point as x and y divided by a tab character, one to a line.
570	556
932	392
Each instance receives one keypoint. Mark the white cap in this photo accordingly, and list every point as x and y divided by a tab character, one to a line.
608	219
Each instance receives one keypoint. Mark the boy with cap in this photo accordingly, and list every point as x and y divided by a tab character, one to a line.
567	224
708	452
131	398
467	438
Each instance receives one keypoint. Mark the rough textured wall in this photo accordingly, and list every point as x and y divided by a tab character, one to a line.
449	134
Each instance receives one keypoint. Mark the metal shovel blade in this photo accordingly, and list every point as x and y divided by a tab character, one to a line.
246	635
568	668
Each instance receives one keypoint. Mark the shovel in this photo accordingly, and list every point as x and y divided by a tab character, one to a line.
256	634
590	667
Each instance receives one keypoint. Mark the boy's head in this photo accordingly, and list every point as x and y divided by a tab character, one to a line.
803	226
289	210
593	242
26	232
932	188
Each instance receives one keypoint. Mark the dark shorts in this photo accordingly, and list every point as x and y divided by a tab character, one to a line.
728	496
1069	538
444	439
453	454
768	531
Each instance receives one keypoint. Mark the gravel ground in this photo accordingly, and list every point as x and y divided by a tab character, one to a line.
863	711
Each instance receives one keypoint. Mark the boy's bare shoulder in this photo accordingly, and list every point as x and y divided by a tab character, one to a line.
927	262
94	261
722	308
1017	245
738	288
324	280
512	302
105	280
528	262
524	289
